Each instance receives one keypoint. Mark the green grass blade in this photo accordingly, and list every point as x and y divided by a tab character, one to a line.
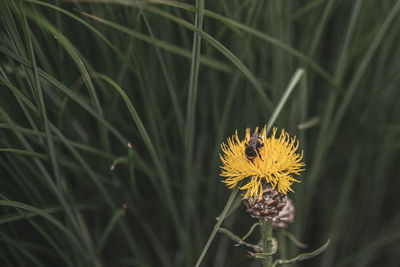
162	44
258	34
193	81
70	236
362	67
42	107
221	48
217	226
109	228
149	144
206	37
22	250
69	93
288	91
171	89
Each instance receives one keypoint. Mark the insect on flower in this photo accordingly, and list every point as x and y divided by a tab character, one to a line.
259	160
253	146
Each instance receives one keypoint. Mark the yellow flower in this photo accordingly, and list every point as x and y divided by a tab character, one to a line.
275	163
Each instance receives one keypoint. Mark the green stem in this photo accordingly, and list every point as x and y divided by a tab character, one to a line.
266	238
217	225
282	245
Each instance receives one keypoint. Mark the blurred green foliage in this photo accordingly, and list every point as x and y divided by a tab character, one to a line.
80	79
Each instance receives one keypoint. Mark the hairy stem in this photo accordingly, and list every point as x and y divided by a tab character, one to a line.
266	238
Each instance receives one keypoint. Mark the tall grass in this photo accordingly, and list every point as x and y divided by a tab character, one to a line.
112	114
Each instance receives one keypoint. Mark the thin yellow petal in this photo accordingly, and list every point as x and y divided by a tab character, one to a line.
278	161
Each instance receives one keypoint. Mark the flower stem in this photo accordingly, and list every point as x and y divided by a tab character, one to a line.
266	237
282	245
217	225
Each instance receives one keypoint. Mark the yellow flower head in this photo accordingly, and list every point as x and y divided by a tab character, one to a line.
275	162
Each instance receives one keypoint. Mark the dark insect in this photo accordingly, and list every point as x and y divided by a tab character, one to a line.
253	146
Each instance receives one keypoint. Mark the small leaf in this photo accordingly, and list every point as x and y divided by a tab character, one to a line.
304	256
294	240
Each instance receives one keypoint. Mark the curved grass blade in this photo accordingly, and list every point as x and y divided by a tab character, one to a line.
70	236
74	54
42	107
33	259
257	33
79	145
221	48
147	140
226	52
171	89
110	226
58	85
23	152
362	68
84	23
46	176
17	217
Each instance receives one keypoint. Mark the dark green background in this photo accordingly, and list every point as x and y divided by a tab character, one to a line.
81	79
